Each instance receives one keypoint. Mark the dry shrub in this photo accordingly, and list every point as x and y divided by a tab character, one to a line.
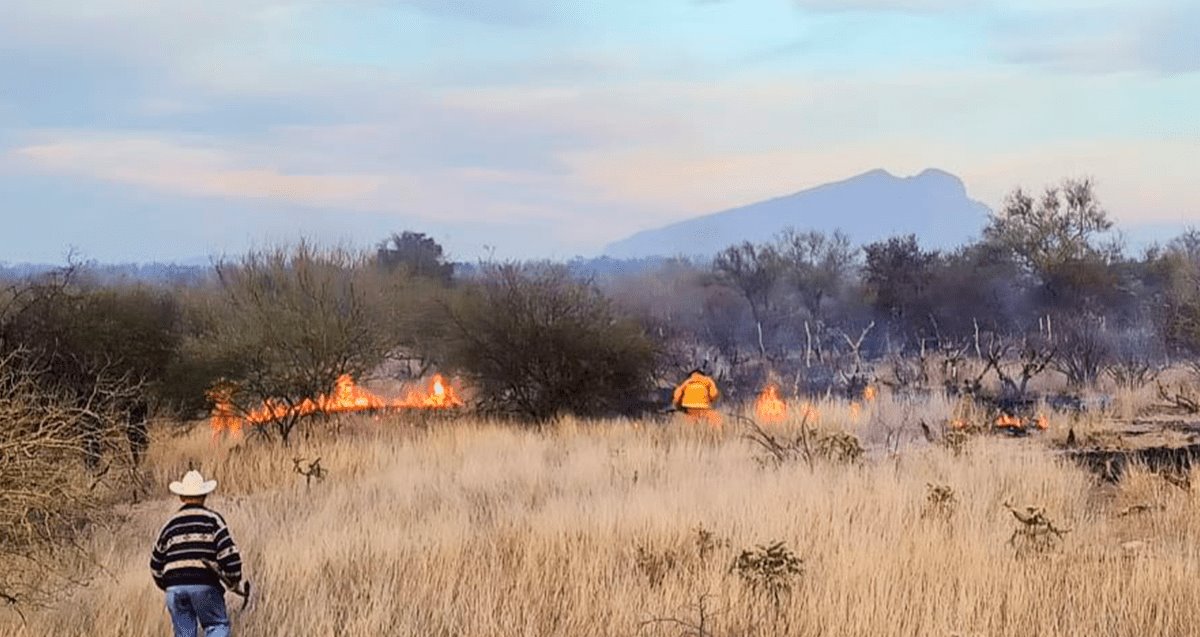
769	570
1036	532
690	558
655	565
807	444
956	440
57	459
839	447
940	502
708	543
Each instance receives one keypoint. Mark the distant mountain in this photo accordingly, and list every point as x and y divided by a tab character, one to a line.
933	205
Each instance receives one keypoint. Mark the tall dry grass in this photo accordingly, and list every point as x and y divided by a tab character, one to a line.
596	529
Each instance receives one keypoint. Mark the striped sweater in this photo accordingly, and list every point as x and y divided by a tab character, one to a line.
192	547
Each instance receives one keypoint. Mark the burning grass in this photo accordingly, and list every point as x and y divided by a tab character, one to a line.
479	529
347	397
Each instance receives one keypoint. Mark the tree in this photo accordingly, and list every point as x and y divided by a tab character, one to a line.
73	325
536	343
898	275
980	283
82	335
1176	274
817	265
1059	238
1064	225
754	271
418	254
284	324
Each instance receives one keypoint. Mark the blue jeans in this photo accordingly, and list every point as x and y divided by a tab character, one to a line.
197	603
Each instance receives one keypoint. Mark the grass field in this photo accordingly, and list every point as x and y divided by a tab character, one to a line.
617	528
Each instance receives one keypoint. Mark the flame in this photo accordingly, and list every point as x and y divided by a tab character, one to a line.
958	423
855	410
769	407
440	395
270	410
869	393
1041	422
223	419
1008	422
346	397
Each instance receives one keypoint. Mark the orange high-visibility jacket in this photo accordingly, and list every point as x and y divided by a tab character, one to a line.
697	392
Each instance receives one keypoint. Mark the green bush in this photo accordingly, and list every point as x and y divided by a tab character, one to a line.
537	344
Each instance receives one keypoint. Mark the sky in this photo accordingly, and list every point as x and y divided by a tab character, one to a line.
140	130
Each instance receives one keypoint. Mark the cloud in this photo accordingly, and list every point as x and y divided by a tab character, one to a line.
1158	36
1083	36
596	163
265	105
191	170
290	170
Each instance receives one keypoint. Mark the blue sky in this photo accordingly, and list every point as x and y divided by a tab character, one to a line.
133	130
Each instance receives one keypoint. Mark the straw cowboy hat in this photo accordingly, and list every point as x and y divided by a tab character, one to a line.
193	484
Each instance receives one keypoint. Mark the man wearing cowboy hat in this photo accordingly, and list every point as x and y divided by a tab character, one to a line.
193	559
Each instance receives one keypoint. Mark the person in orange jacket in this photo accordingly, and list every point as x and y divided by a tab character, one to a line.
695	397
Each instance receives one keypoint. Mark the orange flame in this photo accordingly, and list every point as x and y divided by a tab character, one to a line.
1008	422
769	407
223	419
346	397
440	395
869	393
1041	422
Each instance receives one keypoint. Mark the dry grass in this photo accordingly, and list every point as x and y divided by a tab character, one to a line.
479	529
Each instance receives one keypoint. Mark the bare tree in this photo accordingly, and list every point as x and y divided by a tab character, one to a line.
754	271
1137	359
1016	365
907	373
1084	349
816	265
